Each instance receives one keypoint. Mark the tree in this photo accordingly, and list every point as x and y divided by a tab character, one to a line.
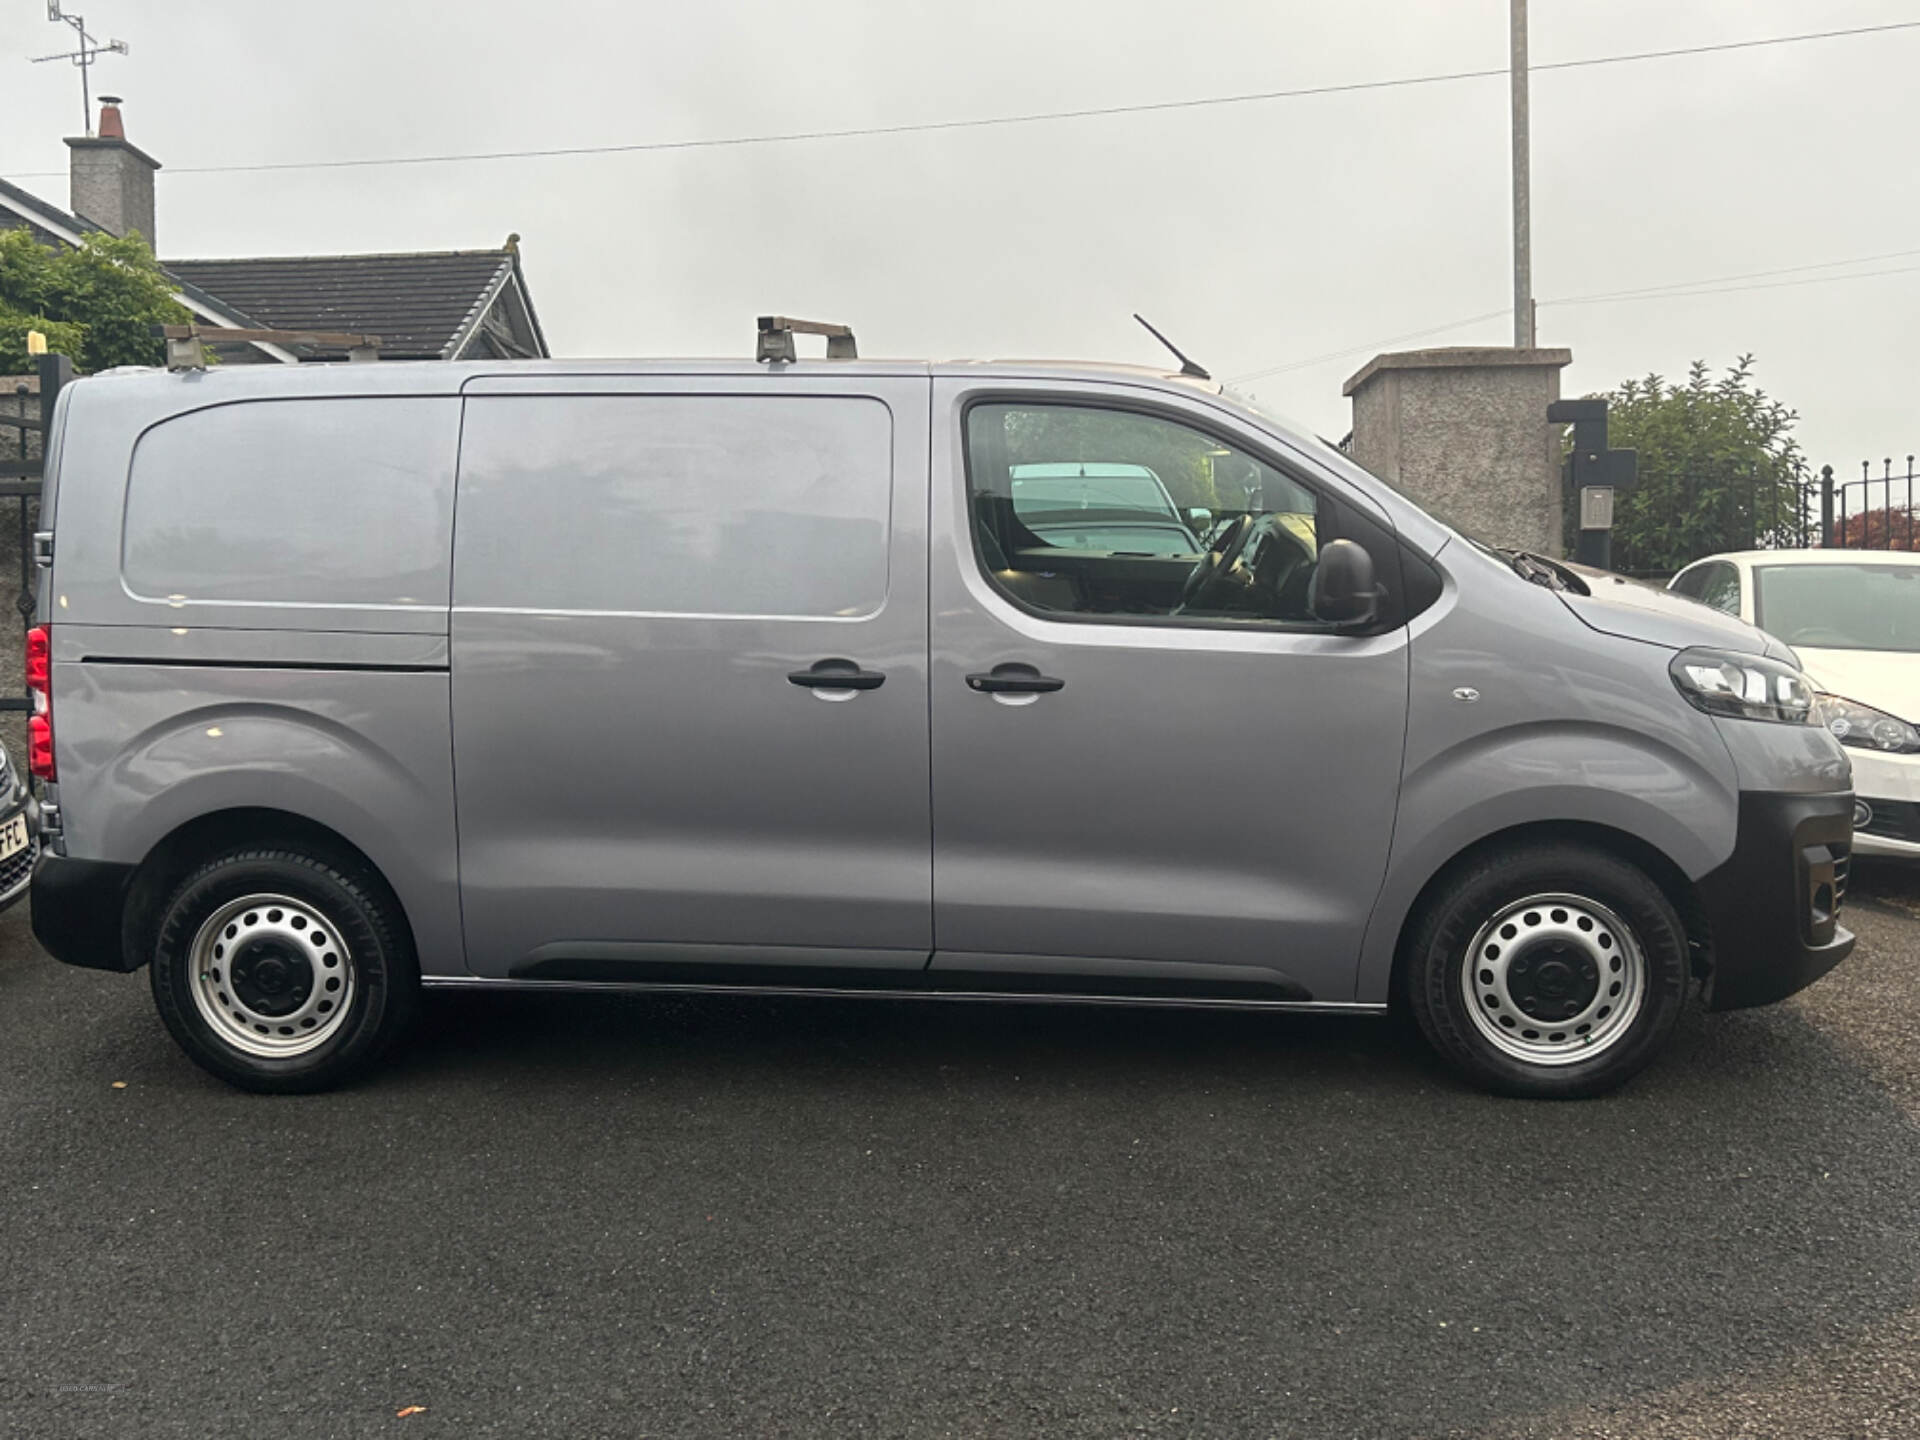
98	303
1719	469
1891	527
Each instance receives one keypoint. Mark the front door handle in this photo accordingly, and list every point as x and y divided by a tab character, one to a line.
837	675
1014	679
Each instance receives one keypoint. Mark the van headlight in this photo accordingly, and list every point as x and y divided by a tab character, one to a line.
1863	726
1743	687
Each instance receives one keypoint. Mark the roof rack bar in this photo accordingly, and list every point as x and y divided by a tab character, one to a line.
186	343
777	332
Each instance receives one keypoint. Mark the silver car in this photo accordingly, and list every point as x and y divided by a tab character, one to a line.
697	676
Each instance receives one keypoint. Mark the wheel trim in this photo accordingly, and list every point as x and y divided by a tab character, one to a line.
1554	979
271	975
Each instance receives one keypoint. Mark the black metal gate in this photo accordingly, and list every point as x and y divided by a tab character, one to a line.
22	476
1678	519
1854	522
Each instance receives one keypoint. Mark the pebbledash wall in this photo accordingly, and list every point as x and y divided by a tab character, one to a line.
1463	431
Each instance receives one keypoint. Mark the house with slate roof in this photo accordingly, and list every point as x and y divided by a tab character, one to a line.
424	305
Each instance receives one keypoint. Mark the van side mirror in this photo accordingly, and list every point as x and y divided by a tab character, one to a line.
1200	519
1344	592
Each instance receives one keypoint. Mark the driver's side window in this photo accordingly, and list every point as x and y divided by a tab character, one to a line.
1090	512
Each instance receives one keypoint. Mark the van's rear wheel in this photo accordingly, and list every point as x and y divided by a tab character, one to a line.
282	971
1556	971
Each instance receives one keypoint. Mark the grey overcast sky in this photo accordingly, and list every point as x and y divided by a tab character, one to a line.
1258	235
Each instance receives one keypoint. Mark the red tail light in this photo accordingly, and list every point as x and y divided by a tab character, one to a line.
39	658
40	746
39	668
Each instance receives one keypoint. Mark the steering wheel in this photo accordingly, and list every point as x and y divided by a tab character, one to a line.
1216	563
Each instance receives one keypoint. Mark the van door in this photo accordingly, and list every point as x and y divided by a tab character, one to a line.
689	678
1153	769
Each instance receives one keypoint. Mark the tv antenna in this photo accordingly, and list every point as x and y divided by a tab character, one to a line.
84	57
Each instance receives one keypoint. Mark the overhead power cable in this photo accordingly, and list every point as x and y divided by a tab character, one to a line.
1034	117
1653	291
1374	348
1677	290
1731	289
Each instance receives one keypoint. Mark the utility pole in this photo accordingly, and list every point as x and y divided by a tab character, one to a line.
1522	182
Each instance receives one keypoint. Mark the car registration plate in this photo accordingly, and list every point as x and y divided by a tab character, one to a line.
13	837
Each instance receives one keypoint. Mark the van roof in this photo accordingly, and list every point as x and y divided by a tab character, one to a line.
342	376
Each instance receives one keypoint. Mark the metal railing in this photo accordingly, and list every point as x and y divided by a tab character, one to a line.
22	476
1670	521
1855	522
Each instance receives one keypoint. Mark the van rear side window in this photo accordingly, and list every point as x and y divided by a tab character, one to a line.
675	504
326	501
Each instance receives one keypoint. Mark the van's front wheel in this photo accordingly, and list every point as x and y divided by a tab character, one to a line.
279	971
1555	971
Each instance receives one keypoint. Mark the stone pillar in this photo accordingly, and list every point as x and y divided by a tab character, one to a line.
1463	432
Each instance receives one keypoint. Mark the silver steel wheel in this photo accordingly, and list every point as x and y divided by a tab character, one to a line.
1554	979
271	975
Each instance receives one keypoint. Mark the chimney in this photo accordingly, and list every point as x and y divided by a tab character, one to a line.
112	180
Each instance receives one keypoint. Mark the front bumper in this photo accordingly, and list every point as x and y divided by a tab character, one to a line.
1773	909
1883	847
1889	787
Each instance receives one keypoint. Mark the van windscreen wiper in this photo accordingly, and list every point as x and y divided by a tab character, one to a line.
1542	571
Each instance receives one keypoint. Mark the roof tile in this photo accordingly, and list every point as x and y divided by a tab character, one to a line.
417	304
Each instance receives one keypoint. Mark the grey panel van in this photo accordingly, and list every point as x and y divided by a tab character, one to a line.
354	681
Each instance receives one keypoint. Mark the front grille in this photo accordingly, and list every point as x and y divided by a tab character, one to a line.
16	868
1892	819
1842	864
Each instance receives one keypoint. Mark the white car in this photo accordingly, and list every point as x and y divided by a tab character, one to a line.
1853	617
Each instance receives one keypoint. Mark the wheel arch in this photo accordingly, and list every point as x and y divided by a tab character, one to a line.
1634	849
173	857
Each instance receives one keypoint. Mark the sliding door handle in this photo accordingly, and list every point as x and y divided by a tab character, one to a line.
1014	679
837	675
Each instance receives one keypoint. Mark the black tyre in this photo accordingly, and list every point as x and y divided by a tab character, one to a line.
1555	971
283	971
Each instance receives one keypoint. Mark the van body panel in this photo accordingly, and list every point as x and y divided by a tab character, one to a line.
284	539
54	455
322	512
1563	724
640	962
283	649
145	748
1637	611
1786	759
1192	796
628	775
